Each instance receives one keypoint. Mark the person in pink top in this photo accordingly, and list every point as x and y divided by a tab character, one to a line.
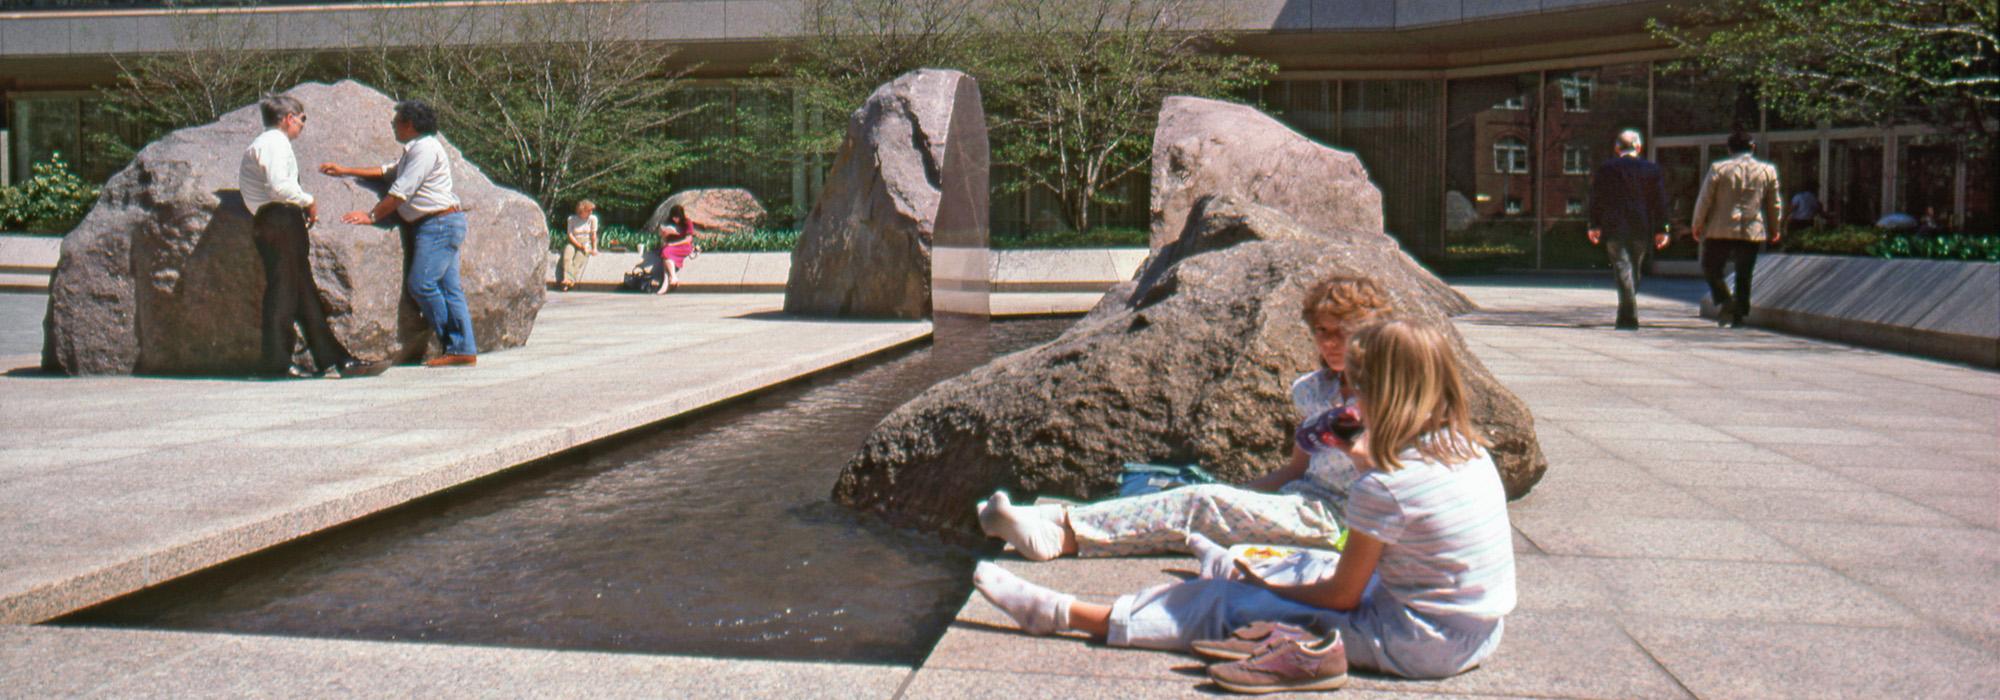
678	236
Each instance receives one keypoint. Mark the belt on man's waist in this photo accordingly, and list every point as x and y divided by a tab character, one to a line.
427	217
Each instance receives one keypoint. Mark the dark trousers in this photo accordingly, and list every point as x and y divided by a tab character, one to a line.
290	296
1743	254
1627	255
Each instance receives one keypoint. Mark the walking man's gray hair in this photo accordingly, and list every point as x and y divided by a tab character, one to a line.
276	107
1629	141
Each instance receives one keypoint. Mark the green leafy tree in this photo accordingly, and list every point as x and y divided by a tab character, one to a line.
1072	88
212	70
1077	87
845	50
573	110
1877	61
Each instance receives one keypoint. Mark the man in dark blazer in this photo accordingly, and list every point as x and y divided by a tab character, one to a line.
1628	209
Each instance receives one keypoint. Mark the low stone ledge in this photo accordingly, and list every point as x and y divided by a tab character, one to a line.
1073	270
1946	309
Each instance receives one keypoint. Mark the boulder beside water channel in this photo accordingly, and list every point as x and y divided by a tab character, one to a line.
911	175
162	275
1190	362
1206	147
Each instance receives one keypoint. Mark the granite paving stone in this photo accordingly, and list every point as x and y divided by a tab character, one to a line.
1927	548
1655	538
1861	506
1731	590
1768	660
1751	475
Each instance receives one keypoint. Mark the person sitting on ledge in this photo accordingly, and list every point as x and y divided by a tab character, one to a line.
1299	504
678	235
1421	590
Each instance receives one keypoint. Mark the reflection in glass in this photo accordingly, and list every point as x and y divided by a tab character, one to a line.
1854	195
1928	175
1392	125
1489	180
1597	104
1682	167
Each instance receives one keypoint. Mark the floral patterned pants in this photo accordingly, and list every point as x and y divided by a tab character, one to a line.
1160	522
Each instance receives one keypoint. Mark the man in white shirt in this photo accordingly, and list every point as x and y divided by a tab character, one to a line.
281	210
420	193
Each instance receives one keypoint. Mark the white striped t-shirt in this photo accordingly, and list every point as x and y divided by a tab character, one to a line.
1447	548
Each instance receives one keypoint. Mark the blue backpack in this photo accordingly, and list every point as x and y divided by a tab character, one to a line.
1141	478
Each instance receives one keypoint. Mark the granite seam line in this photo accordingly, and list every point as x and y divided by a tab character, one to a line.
1618	620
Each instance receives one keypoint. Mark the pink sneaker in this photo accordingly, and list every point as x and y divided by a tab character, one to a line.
1290	664
1248	639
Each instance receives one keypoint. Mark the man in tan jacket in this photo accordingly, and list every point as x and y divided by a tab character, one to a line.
1737	211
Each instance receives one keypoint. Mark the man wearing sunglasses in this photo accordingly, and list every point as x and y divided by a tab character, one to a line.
281	211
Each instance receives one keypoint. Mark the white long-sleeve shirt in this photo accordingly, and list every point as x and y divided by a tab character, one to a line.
422	178
270	173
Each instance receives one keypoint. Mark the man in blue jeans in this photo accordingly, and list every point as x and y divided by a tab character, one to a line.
420	193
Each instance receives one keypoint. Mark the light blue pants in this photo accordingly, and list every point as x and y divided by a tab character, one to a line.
433	282
1381	634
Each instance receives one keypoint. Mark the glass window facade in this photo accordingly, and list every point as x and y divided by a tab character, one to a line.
1488	171
1493	167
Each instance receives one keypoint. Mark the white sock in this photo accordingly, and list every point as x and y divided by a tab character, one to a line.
1035	531
1038	610
1215	560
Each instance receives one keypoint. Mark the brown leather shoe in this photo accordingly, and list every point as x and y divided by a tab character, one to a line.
452	361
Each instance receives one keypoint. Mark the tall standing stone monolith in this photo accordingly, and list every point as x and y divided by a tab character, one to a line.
905	203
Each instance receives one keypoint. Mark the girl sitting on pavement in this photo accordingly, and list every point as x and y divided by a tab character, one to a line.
1299	504
1421	588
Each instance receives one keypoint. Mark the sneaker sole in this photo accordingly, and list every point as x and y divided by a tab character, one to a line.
1328	683
1221	654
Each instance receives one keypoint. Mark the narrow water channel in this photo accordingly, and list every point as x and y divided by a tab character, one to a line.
709	535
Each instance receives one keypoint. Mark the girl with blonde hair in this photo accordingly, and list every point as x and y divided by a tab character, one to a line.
1420	590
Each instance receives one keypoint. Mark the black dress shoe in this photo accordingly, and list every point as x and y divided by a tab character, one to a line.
275	375
352	369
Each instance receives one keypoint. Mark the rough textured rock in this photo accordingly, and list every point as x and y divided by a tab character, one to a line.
162	275
1190	361
915	154
722	210
1207	147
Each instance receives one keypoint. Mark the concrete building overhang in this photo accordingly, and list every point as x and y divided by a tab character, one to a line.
731	38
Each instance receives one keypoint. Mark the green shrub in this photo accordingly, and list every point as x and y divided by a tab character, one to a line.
53	200
1836	240
1950	247
615	237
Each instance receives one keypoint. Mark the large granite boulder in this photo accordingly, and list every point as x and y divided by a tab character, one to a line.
1192	361
162	275
721	210
1204	147
915	155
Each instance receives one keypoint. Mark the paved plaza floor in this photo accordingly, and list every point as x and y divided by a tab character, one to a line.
1727	514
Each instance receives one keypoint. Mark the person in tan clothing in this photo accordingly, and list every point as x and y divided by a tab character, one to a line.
1737	211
